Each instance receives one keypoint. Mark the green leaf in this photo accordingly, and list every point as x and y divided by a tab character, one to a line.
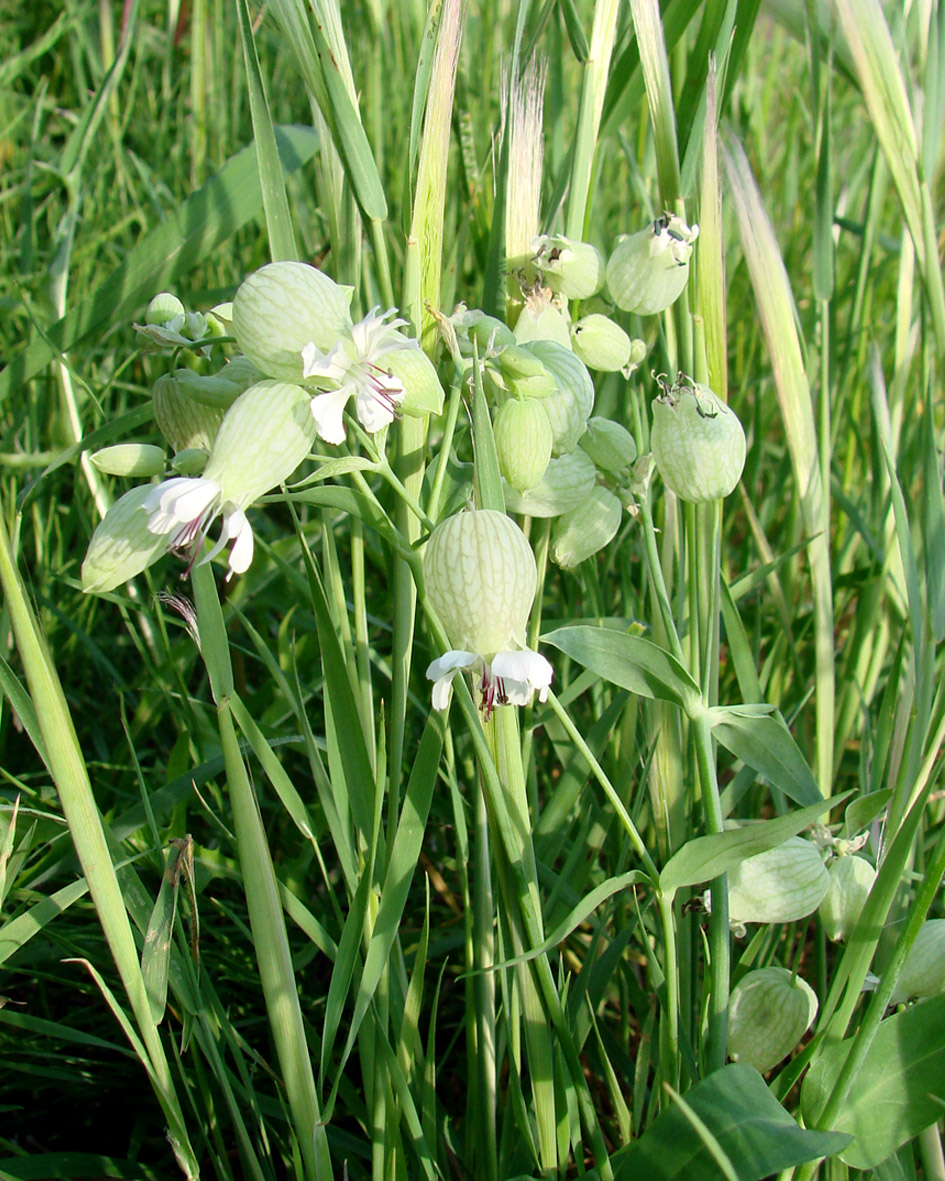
156	953
863	810
759	736
704	858
899	1091
628	661
189	234
745	1123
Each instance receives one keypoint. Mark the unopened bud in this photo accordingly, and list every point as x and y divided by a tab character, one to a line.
129	459
851	879
610	445
543	318
163	308
523	442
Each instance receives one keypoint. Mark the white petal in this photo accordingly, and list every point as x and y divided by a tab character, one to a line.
315	363
375	407
178	501
328	412
450	662
441	672
521	673
241	555
443	691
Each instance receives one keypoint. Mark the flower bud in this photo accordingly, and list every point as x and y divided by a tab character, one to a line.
572	269
600	343
698	443
567	482
240	372
647	271
779	885
423	393
213	390
851	879
129	459
488	332
184	422
190	462
283	307
163	308
610	445
523	441
923	973
480	577
770	1010
122	545
586	529
571	403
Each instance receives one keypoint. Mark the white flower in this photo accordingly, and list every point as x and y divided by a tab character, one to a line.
481	577
184	509
510	679
355	368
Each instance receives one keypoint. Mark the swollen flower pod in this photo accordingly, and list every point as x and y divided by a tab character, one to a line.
770	1010
283	307
779	885
600	343
544	317
523	441
572	269
851	879
480	577
122	544
610	445
586	529
923	973
181	419
647	271
568	481
697	440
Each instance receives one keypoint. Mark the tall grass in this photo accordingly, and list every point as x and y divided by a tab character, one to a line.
263	912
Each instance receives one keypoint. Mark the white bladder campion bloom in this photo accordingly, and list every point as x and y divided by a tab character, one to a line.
354	367
263	438
481	578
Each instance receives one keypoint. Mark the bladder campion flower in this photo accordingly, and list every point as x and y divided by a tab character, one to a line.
481	579
698	442
647	271
356	366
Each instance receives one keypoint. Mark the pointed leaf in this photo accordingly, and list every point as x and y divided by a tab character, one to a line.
743	1120
628	661
759	736
899	1090
704	858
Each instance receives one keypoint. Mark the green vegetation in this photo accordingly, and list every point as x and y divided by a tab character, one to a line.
265	913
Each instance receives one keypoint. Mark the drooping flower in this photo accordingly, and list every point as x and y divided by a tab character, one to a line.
354	367
481	578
